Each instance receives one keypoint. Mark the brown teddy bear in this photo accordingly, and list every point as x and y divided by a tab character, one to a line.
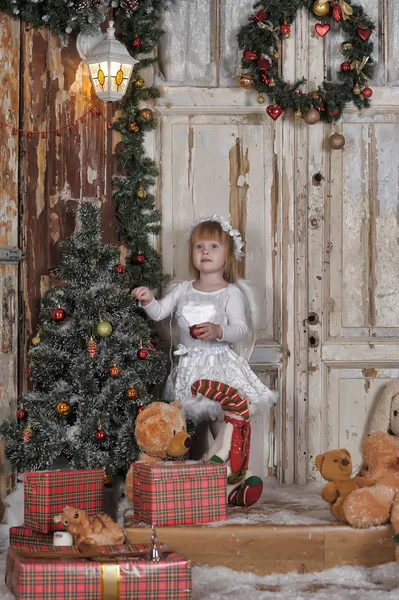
365	508
99	529
335	467
161	433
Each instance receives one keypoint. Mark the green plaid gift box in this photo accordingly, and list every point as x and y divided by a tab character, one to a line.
22	536
69	577
47	492
179	493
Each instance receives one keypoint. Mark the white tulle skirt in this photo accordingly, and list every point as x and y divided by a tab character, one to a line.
221	364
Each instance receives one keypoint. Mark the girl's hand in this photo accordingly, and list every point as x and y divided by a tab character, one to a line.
142	294
208	331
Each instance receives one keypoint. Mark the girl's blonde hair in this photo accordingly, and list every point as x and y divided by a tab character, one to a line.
212	230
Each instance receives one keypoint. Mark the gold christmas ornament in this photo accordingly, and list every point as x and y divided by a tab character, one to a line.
246	81
114	371
134	127
131	393
139	83
312	116
36	340
276	54
141	193
147	115
315	94
320	8
272	83
345	47
107	478
357	90
298	113
64	409
260	99
27	434
336	141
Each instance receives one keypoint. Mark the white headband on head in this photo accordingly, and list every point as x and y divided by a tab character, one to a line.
225	225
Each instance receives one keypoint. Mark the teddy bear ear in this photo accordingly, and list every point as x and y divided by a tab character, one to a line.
345	451
176	404
319	461
57	518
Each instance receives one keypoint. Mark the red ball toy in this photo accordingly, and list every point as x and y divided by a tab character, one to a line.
345	67
142	354
140	408
139	259
367	92
100	435
194	332
21	414
136	43
58	314
120	269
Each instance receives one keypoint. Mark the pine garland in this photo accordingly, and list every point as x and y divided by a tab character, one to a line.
271	21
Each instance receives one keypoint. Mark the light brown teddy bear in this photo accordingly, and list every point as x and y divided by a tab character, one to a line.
335	467
161	433
100	529
377	505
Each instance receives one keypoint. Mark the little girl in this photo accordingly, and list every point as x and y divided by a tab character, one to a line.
215	304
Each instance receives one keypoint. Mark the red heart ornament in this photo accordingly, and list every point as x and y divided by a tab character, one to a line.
274	111
363	33
322	30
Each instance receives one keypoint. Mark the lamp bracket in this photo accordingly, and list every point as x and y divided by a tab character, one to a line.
85	42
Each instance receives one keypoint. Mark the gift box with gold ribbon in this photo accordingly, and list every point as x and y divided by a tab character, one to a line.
97	573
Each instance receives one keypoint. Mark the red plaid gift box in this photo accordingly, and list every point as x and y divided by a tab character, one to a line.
47	492
22	536
168	493
71	576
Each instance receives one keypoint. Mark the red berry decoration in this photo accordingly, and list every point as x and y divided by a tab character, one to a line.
136	43
194	332
285	29
58	314
100	435
21	414
345	67
337	14
120	269
367	92
142	354
139	259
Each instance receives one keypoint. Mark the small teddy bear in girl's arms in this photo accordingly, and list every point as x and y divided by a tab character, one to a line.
99	529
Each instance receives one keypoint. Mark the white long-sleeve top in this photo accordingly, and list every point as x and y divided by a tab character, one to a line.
225	307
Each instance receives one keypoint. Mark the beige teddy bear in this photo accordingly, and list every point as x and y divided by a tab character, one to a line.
161	433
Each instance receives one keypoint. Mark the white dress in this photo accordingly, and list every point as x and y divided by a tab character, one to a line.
200	359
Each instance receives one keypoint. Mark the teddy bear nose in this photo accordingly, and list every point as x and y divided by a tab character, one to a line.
345	462
188	443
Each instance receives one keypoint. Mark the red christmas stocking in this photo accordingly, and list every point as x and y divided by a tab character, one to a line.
248	493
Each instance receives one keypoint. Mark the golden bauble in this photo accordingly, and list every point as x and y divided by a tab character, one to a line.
298	113
345	47
272	83
321	9
64	409
107	478
286	36
139	82
141	193
315	94
246	81
336	141
357	90
134	127
131	393
114	371
36	340
260	99
312	116
147	115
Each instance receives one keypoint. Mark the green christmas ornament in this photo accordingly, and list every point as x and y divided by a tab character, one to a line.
104	328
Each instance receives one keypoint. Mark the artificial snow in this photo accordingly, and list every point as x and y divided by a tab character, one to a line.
289	505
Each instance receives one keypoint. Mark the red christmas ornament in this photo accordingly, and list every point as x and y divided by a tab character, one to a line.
249	55
27	434
140	408
264	64
333	113
21	414
345	67
92	348
274	111
151	347
114	371
300	93
363	33
266	78
322	30
142	354
260	16
28	372
100	435
136	43
367	92
139	259
337	14
58	314
132	393
285	29
120	269
194	332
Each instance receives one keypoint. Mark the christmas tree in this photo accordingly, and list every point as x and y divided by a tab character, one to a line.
92	365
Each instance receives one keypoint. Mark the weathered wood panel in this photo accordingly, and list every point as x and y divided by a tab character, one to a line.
9	106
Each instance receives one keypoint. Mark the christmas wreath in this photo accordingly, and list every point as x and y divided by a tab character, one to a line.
271	22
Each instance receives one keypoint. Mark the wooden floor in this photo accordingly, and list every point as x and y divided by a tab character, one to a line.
242	544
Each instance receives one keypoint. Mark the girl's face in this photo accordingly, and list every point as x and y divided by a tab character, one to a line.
209	256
